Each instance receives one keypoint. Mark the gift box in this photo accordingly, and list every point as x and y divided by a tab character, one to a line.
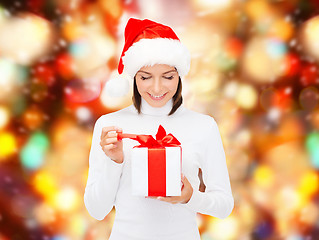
156	165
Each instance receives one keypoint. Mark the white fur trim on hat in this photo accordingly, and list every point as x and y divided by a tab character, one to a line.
117	85
147	52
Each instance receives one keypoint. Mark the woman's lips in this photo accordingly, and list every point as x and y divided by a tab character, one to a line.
157	99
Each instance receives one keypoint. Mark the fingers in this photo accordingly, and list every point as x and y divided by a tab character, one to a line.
170	199
109	138
108	146
184	180
108	142
109	134
151	197
107	130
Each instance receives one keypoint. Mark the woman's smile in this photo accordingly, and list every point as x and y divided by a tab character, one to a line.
157	97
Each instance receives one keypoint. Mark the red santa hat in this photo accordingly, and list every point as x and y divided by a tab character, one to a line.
148	43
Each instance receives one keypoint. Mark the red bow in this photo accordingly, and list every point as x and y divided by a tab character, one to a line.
162	140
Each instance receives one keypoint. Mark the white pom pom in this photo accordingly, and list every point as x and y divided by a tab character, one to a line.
117	85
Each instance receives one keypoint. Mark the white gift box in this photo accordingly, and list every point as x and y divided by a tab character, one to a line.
156	171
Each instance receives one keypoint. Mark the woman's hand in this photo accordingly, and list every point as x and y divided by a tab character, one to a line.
186	194
110	145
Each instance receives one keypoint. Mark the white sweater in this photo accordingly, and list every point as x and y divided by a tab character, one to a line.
139	218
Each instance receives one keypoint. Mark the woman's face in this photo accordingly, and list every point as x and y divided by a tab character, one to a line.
157	84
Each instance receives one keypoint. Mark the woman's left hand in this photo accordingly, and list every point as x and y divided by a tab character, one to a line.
186	194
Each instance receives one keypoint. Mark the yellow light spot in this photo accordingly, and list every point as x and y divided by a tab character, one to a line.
8	144
67	199
246	96
85	176
310	36
263	176
308	184
224	228
213	6
77	226
45	184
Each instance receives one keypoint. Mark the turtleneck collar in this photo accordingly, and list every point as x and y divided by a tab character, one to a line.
156	111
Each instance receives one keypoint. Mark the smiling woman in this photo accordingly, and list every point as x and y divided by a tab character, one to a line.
157	61
157	85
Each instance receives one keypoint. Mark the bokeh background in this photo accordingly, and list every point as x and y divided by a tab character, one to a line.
254	68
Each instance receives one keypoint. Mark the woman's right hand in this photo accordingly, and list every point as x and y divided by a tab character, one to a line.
110	145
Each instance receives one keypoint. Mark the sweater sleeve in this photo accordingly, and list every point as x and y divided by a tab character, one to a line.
217	200
103	178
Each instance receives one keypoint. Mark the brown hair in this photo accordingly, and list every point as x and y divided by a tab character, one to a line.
177	98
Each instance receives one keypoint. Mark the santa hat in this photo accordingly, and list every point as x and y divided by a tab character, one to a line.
148	43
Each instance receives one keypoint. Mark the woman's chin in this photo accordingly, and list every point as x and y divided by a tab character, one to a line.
157	103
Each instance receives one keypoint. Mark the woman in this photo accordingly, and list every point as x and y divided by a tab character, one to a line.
155	58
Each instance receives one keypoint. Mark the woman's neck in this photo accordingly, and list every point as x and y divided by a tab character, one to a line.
147	109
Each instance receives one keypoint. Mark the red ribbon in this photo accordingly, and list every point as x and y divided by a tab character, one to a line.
156	157
162	140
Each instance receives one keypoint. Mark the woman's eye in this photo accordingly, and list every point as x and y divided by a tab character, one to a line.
171	77
143	78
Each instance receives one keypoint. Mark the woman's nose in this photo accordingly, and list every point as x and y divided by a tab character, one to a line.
157	86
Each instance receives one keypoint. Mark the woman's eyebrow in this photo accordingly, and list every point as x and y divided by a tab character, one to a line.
174	70
144	72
